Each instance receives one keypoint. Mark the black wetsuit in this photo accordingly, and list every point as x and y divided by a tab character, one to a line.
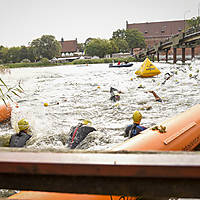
133	130
77	134
113	95
19	139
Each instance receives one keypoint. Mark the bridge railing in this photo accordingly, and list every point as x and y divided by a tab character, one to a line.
171	40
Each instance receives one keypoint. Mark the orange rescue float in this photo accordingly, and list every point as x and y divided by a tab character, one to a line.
182	134
29	195
5	112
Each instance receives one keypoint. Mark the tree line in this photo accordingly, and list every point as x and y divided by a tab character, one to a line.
45	47
48	47
122	41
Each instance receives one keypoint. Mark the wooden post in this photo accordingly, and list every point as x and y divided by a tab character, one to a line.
166	55
192	52
158	59
174	55
153	57
183	55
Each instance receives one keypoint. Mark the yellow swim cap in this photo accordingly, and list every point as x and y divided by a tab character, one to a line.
23	125
86	121
137	116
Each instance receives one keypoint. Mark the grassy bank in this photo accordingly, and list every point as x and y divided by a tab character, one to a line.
34	64
75	62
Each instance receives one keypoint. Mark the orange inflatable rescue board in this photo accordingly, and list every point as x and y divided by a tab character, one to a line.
179	133
5	112
31	195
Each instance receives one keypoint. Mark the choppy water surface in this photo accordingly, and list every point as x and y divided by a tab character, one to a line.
76	93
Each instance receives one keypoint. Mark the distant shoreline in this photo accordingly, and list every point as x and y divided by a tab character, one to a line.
75	62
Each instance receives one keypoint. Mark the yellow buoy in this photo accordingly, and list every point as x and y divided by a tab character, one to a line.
147	69
46	104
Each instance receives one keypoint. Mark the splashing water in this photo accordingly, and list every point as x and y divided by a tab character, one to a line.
73	94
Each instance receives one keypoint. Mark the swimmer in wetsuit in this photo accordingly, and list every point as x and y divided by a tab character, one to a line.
135	128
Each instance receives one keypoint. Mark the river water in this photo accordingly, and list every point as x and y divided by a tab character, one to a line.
75	93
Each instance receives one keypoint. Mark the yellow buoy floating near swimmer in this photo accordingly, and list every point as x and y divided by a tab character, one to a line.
147	69
46	104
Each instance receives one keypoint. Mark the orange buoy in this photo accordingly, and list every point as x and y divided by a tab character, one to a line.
29	195
5	112
179	133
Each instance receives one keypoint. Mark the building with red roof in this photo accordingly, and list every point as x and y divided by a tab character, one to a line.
68	47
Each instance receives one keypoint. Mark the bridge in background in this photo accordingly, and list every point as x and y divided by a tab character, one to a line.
188	39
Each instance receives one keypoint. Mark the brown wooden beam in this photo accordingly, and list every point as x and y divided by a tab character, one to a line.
166	55
192	52
174	55
158	56
148	174
183	55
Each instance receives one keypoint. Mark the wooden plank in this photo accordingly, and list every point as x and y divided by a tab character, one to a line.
148	174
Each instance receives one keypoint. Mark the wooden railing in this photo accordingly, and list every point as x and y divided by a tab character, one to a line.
153	175
188	39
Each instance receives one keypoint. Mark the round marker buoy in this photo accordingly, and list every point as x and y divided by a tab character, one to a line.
46	104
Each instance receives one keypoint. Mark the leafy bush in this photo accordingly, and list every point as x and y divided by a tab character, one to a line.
25	60
44	61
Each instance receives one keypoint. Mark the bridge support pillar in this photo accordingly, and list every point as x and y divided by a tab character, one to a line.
183	55
192	52
174	55
153	57
158	59
166	55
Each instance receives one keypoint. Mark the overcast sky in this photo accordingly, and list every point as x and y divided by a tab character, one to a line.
22	21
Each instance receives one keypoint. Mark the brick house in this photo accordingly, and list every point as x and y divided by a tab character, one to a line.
68	47
156	31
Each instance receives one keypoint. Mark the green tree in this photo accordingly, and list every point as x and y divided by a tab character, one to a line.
1	54
193	23
31	54
98	47
113	47
13	54
119	34
46	47
23	53
135	39
4	55
81	47
127	40
121	45
88	41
